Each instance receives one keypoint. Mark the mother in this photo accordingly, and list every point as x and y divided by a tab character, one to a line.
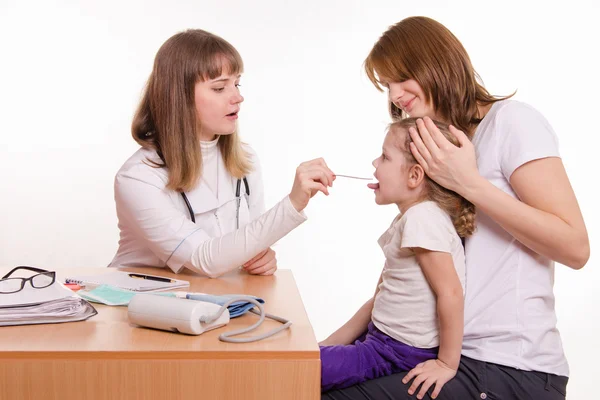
528	217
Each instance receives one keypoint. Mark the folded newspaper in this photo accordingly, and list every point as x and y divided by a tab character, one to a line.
49	305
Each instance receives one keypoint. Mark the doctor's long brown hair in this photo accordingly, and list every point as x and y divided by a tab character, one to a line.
422	49
166	121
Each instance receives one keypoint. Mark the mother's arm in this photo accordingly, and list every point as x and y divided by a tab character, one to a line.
546	219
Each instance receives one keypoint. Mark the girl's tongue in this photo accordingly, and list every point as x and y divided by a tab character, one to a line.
373	185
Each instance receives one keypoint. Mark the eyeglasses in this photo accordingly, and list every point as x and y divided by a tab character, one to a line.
39	281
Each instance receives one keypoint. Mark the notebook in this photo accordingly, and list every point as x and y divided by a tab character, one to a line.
135	281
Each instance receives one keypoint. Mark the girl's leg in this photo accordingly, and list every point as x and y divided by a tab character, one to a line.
376	356
346	365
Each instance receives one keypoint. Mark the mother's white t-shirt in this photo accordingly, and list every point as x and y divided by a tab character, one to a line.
509	304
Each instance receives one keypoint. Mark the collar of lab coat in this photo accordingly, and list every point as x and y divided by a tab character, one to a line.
203	199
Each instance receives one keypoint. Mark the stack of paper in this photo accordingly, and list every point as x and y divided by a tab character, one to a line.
53	304
68	309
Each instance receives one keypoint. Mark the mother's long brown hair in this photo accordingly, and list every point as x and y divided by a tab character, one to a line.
422	49
166	121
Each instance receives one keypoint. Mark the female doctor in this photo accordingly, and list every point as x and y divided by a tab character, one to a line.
192	196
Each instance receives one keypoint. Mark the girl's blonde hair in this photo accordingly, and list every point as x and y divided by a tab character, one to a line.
460	210
166	119
422	49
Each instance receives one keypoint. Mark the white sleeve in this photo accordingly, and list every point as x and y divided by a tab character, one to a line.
217	256
146	207
525	135
426	226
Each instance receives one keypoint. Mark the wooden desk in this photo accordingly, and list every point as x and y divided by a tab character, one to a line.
107	358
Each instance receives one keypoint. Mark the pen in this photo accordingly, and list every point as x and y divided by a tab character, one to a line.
151	278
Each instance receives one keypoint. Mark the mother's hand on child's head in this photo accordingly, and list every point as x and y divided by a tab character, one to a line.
450	166
311	177
264	263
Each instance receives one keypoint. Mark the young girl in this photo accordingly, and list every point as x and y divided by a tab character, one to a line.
416	314
192	196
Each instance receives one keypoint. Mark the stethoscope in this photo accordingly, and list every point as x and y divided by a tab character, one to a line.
237	196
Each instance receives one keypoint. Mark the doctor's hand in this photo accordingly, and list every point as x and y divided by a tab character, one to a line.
264	263
311	177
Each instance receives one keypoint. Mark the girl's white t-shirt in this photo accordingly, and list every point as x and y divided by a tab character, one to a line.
405	305
509	302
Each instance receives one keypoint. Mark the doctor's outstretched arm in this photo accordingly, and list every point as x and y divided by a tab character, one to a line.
219	255
177	242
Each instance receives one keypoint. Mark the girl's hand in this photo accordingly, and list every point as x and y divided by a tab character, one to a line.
311	177
428	373
454	168
264	263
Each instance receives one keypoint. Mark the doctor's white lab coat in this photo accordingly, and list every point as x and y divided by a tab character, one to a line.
156	229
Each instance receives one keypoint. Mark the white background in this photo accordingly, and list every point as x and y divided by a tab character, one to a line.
71	73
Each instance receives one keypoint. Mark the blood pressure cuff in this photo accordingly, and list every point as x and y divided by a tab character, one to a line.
236	309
